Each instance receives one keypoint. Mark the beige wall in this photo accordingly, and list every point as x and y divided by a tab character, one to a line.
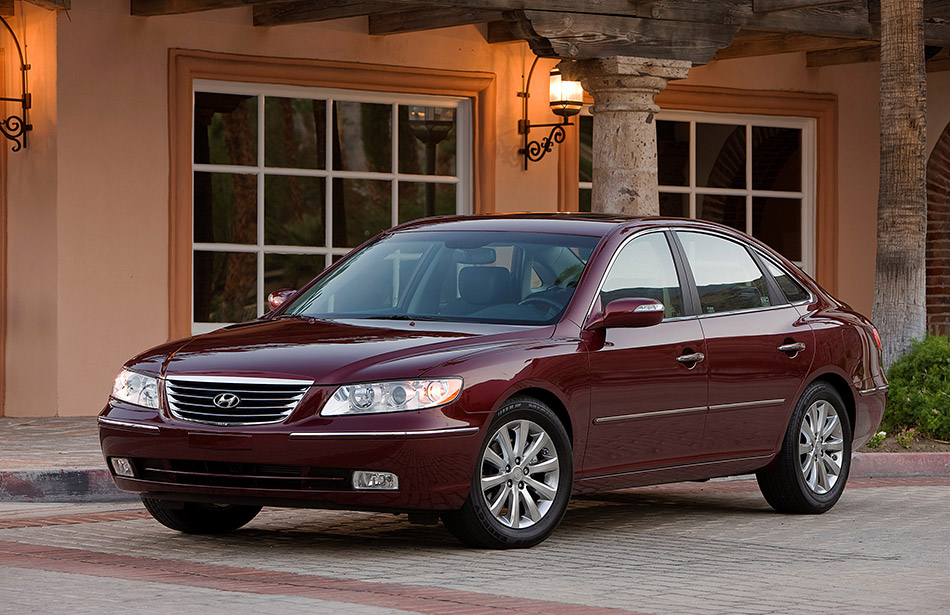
88	267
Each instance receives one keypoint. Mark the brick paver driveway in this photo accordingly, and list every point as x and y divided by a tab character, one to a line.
690	548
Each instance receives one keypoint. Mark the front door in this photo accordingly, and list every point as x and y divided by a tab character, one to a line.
648	400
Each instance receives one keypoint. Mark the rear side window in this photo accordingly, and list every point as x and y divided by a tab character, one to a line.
644	269
794	291
726	277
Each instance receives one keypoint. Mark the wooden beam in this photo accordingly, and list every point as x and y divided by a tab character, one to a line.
932	9
53	5
595	7
6	8
307	11
172	7
765	6
579	36
850	20
412	20
500	32
848	55
745	47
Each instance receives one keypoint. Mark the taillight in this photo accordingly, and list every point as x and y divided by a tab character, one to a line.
877	338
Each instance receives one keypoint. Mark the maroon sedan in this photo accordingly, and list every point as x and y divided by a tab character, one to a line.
483	370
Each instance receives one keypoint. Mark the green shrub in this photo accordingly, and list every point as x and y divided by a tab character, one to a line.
919	396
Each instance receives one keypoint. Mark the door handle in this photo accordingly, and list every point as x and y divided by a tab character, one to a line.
794	348
693	358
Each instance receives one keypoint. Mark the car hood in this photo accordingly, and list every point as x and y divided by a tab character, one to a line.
336	352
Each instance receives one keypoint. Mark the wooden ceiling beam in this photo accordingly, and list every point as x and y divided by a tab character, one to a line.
748	46
413	20
6	8
847	20
848	55
579	36
304	11
146	8
53	5
500	32
765	6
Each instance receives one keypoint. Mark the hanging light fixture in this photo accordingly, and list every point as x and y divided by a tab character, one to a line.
16	127
565	97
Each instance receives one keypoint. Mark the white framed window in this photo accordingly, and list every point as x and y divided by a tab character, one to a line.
753	173
288	179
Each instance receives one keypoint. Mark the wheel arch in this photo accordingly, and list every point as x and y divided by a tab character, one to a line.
552	401
844	390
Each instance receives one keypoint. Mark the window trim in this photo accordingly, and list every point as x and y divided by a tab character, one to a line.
823	108
187	66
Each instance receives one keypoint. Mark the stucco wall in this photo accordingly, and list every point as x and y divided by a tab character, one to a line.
88	266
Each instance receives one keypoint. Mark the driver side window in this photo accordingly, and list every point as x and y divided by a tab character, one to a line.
644	268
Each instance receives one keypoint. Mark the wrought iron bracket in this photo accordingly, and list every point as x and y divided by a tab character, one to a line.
16	127
536	150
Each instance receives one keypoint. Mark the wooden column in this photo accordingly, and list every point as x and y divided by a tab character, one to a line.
624	91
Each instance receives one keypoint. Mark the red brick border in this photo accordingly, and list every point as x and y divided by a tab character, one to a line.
938	236
427	600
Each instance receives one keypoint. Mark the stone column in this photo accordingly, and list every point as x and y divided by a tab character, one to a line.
624	89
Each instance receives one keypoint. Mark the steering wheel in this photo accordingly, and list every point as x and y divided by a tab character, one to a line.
544	305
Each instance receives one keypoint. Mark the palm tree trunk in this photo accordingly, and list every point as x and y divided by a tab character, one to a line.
899	288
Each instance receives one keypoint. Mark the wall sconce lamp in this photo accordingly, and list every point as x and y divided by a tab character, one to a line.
15	127
566	99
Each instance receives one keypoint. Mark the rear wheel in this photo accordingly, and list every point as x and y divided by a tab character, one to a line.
522	481
812	467
197	518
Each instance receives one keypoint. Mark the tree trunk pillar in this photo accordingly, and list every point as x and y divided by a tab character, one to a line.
624	91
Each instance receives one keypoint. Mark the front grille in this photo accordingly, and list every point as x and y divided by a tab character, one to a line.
242	475
233	401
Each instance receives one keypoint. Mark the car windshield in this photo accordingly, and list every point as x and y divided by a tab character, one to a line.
467	276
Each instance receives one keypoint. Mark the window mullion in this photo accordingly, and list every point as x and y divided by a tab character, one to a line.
394	148
328	188
748	178
692	169
260	204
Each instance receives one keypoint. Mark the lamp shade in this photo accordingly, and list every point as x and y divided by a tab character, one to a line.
566	97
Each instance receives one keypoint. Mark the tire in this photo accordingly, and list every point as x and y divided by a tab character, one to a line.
810	473
492	515
195	518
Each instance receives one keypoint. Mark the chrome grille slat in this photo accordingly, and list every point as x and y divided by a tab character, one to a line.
192	399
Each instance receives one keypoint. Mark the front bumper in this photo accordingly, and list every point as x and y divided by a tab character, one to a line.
304	464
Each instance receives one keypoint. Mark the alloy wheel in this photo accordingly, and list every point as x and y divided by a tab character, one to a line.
519	474
821	446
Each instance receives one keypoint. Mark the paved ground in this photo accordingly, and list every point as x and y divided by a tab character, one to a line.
689	548
45	443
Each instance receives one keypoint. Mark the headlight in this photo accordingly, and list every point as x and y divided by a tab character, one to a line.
396	396
136	388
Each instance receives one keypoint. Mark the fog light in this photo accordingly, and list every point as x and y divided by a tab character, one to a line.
375	480
122	467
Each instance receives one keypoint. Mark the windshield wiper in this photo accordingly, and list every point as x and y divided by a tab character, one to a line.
404	317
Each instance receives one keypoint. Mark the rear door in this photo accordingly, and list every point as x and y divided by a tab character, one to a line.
758	348
648	405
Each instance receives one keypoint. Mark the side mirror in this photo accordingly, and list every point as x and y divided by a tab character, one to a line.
278	297
633	312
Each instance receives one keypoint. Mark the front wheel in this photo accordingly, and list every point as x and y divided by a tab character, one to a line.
812	467
522	481
196	518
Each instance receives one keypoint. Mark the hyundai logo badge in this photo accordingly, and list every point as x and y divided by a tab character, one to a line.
226	400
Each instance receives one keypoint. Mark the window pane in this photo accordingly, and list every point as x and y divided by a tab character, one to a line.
427	140
583	199
225	286
417	200
720	155
361	209
728	210
225	208
585	124
644	268
225	129
289	271
726	276
363	137
674	205
776	158
778	222
672	150
295	133
794	291
293	210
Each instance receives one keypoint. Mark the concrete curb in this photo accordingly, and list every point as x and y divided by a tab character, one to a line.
95	484
81	485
